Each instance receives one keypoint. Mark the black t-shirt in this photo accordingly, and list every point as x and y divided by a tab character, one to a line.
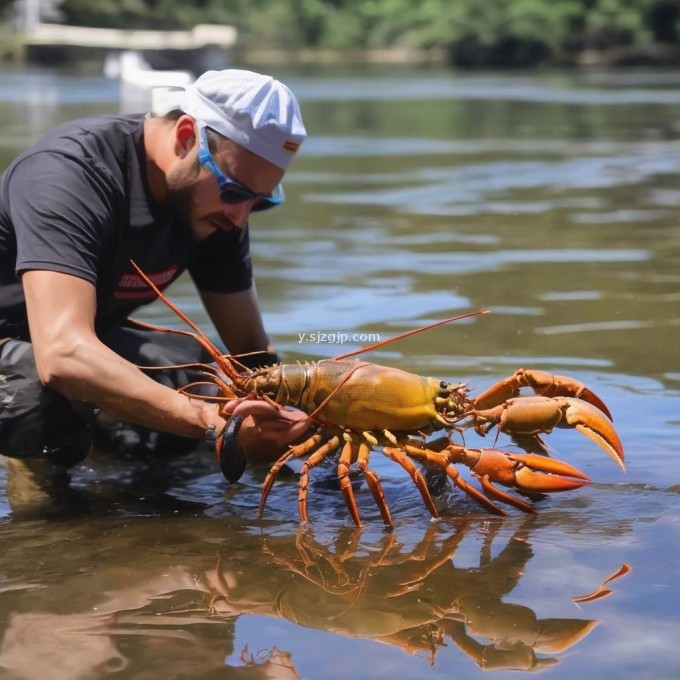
77	202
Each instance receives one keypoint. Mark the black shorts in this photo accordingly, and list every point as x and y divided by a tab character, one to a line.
37	422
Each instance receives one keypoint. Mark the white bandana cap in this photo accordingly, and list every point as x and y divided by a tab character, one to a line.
256	111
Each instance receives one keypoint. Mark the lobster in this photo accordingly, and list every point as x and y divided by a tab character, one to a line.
354	406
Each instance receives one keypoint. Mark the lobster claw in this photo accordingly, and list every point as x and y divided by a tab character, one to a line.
544	384
491	466
589	421
525	472
230	455
539	415
558	475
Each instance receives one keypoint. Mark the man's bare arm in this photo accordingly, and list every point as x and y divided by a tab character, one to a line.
237	319
73	361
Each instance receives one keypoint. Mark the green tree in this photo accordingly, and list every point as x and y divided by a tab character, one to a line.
474	32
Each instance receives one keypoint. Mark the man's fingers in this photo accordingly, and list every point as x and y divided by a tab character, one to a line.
267	429
282	433
263	411
252	407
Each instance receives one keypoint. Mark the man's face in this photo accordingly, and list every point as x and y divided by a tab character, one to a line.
194	194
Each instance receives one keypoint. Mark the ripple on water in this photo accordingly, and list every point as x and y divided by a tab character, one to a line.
372	147
458	189
365	264
488	88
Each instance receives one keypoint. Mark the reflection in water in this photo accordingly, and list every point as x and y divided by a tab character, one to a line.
413	598
36	97
601	591
271	663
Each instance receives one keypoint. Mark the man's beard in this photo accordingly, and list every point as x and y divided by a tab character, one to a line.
179	202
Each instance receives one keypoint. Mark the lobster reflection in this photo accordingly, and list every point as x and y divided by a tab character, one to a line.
179	615
416	600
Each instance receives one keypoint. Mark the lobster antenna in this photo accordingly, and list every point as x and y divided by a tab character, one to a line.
200	336
401	336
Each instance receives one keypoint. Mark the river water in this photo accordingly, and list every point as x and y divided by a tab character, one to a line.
551	200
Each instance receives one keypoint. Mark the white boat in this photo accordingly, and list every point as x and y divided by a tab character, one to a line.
133	70
140	84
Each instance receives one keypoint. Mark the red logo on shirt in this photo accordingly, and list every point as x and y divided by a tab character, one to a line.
132	286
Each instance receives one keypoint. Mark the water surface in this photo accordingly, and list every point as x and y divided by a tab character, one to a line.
551	200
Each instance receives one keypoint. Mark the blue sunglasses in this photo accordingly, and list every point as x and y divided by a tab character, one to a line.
230	190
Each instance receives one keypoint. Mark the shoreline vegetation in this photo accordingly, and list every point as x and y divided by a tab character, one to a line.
658	56
459	33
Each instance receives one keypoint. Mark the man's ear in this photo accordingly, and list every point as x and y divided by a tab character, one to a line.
185	135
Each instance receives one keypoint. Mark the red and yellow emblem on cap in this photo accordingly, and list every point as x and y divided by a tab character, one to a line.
290	146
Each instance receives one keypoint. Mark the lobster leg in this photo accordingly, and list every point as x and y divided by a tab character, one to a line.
345	461
293	452
544	384
363	452
398	456
374	484
483	500
444	460
318	455
504	497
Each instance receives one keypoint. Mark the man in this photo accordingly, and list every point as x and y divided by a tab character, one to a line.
171	193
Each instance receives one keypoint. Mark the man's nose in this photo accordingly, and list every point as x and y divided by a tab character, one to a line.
238	213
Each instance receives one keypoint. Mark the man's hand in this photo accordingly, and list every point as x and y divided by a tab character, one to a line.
257	432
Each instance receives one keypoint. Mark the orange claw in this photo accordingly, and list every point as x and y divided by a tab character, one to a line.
587	419
515	471
521	471
544	384
561	476
538	415
524	472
